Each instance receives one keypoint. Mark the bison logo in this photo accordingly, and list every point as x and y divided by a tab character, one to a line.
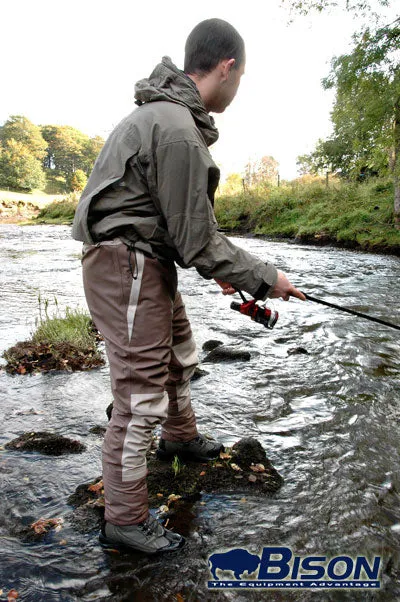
237	561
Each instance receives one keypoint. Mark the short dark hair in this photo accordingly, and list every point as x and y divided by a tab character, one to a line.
210	42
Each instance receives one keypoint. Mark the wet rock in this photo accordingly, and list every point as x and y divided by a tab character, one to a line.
49	444
98	430
297	351
198	373
171	487
211	344
27	357
249	451
109	410
227	354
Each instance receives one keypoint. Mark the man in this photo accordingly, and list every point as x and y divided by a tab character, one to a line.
148	204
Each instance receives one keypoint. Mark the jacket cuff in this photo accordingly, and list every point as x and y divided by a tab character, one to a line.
268	285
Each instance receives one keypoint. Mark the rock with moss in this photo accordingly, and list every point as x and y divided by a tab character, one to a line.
46	443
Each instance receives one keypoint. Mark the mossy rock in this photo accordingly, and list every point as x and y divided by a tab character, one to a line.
46	443
244	468
27	357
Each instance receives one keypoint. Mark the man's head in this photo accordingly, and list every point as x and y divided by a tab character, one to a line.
215	61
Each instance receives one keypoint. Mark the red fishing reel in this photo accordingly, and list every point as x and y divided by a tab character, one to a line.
259	313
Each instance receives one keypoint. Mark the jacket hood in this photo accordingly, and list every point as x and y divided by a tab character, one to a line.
168	83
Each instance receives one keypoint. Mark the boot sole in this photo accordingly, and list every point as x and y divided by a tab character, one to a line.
112	546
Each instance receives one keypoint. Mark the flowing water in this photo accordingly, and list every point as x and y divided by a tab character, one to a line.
329	421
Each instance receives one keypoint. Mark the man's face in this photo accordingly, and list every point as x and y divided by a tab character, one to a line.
227	88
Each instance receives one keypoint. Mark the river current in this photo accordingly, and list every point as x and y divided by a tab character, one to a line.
329	420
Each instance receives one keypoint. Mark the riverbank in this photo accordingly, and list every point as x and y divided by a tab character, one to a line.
20	207
355	216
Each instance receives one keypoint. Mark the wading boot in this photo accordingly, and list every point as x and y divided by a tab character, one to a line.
148	536
199	449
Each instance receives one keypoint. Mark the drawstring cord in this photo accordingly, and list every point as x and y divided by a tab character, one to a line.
134	273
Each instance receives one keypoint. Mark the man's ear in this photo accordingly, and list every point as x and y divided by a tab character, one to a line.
226	67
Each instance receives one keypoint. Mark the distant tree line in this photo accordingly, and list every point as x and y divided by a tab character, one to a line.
54	158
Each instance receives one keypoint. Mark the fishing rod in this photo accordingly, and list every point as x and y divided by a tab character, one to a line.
351	311
269	317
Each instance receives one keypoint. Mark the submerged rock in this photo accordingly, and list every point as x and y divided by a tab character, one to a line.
211	344
198	373
227	354
297	351
50	444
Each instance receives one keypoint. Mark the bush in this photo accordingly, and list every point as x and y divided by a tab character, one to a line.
59	212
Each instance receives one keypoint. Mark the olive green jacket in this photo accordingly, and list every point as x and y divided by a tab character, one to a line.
154	181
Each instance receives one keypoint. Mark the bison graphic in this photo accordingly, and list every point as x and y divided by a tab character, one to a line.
237	561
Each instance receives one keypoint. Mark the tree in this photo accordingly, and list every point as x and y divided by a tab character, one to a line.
65	148
20	129
358	7
261	171
77	181
366	113
19	169
91	151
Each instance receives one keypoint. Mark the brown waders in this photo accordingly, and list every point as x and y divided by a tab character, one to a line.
134	302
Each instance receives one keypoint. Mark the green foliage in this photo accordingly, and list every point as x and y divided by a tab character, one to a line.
20	129
352	213
59	212
75	327
19	169
176	465
357	7
77	181
69	150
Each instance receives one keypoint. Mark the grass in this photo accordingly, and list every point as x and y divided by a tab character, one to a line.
59	211
351	214
75	327
60	342
36	197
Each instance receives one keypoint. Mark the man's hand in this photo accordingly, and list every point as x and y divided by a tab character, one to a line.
227	289
283	288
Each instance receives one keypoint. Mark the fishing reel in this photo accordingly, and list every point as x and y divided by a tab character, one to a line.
259	313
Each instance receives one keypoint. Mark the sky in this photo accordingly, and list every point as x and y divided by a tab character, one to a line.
76	63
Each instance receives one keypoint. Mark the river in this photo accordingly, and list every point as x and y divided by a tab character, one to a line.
329	421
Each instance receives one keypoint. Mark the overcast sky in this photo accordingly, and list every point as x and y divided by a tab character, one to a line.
75	63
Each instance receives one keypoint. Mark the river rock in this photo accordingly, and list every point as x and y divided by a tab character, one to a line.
227	354
49	444
198	373
297	351
249	451
211	344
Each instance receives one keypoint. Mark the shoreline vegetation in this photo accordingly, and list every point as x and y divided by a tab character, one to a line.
60	342
354	215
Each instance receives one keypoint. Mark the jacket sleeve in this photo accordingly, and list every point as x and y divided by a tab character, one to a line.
184	169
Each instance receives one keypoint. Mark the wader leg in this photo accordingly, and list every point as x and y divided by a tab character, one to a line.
131	298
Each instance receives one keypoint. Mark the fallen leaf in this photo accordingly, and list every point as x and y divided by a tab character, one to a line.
203	472
236	467
12	595
21	370
163	508
218	465
180	598
224	455
243	500
63	542
173	497
238	476
203	503
252	478
257	467
96	487
160	495
42	525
